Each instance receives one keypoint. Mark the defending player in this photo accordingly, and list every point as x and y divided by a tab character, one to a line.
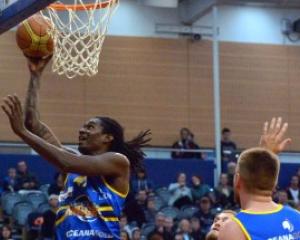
255	179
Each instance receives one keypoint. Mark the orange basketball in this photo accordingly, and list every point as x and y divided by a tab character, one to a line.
33	36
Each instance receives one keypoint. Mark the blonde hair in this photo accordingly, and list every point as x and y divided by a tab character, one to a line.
259	169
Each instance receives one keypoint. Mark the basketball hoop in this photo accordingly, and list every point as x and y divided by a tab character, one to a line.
78	35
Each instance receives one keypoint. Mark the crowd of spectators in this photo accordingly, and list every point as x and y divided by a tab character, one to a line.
183	210
187	148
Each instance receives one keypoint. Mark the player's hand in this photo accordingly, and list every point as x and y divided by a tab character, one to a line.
37	65
13	109
273	137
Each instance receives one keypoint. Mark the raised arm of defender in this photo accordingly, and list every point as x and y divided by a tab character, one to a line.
32	115
273	136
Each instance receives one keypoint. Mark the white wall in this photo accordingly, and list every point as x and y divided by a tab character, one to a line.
252	24
135	19
237	24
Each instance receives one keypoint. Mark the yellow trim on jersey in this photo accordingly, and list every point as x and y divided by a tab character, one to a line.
266	212
62	208
105	209
242	228
110	219
66	179
105	219
114	190
61	219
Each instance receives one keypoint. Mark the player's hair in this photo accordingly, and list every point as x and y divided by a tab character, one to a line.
131	149
259	169
228	211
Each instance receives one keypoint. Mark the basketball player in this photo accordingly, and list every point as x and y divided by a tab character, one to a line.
219	222
97	181
255	178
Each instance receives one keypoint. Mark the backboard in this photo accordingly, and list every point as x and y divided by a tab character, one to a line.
14	11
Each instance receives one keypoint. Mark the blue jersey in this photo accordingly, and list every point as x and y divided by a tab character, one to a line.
89	209
281	224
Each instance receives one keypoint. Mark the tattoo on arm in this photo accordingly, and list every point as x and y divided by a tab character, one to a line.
31	110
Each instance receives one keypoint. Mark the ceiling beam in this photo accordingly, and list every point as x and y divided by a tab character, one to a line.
192	10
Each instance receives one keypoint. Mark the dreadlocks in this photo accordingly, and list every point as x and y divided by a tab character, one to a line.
131	149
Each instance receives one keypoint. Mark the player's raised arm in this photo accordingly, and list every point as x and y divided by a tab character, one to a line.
106	164
274	136
32	115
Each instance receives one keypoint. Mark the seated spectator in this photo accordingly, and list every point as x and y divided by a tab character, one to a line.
228	147
159	228
151	211
141	198
136	234
197	233
185	229
282	197
169	226
205	214
231	166
180	194
124	235
179	236
124	226
25	179
198	188
10	181
293	192
142	182
186	142
134	210
57	186
155	236
224	192
6	233
298	173
47	231
34	225
219	221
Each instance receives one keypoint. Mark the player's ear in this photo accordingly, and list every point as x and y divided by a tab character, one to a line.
237	180
108	138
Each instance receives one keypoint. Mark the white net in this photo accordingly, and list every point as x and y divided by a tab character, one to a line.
78	35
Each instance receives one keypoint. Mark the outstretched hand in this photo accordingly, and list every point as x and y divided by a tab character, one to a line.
273	137
37	65
12	107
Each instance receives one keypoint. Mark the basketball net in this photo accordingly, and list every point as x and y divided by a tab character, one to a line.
78	35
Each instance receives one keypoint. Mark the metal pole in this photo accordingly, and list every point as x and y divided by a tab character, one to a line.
217	108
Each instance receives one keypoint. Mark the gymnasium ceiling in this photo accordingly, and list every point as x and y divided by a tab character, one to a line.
265	3
191	10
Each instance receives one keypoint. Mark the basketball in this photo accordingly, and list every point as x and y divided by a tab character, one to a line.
33	37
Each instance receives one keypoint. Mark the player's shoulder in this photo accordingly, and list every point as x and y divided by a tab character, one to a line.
291	210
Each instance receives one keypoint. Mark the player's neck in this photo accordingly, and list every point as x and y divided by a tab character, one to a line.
258	203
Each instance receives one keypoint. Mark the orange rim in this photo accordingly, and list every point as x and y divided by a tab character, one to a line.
88	6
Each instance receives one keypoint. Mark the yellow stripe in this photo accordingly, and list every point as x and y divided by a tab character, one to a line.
110	219
61	219
66	179
242	227
104	209
266	212
114	190
108	208
62	208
